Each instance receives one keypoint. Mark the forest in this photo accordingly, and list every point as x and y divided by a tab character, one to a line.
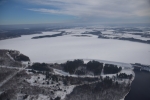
79	67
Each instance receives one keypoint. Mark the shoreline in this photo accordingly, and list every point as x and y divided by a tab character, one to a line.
130	86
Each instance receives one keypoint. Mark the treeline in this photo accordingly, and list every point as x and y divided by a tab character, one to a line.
17	56
93	33
111	69
125	76
105	83
22	57
49	36
18	32
71	66
95	66
40	67
135	40
78	67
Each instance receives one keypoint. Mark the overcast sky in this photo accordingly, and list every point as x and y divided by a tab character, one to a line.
75	11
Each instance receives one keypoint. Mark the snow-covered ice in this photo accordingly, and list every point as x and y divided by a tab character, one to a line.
69	47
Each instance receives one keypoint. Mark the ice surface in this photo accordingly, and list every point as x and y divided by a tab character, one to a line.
68	47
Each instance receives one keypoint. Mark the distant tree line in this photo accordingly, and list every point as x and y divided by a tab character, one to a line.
93	33
18	32
49	36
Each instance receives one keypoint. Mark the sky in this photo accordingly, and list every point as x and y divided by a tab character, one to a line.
74	11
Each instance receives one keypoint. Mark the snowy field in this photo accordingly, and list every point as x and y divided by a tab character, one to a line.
110	34
67	47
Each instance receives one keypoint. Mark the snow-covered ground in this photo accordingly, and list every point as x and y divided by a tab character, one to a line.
126	68
39	79
38	97
126	34
10	56
67	47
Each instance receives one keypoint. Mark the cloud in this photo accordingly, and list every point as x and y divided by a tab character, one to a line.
95	8
51	11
